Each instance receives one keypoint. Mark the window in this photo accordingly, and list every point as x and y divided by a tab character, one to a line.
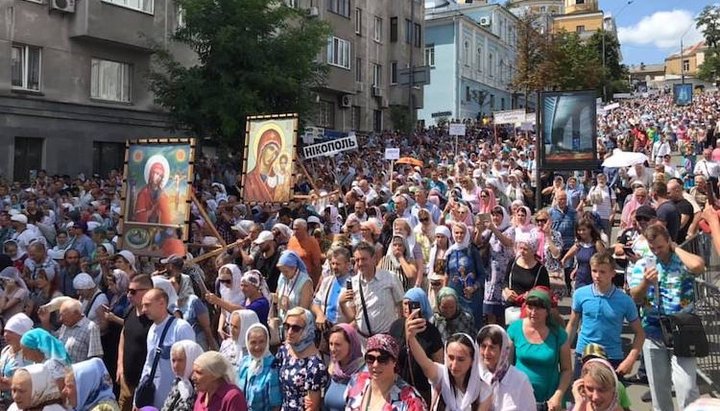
358	69
543	9
479	59
25	61
355	114
408	31
579	1
358	21
579	29
491	68
492	101
502	103
179	16
686	65
110	80
393	72
338	52
430	55
377	75
341	7
468	95
107	156
466	53
393	29
326	114
146	6
377	121
417	35
28	156
292	3
377	29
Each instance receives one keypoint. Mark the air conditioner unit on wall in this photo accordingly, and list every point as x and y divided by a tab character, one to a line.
313	11
377	92
346	101
65	6
484	21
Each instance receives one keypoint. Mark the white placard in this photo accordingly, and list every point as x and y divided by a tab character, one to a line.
330	148
392	153
527	126
530	118
509	117
457	129
611	106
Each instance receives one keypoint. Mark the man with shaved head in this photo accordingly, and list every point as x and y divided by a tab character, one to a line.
80	336
155	307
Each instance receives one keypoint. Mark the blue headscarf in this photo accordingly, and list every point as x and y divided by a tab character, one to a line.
46	343
93	384
418	295
308	334
291	259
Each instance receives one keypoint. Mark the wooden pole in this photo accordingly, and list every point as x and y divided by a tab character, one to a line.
310	179
215	252
207	219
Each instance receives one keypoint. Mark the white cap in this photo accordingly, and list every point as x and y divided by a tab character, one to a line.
264	236
314	219
19	218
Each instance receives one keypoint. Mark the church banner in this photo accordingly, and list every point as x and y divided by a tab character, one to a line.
268	173
330	148
156	193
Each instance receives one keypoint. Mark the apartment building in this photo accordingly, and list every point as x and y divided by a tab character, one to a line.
73	82
372	42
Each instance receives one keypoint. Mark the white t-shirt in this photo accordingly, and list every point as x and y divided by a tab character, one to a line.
603	208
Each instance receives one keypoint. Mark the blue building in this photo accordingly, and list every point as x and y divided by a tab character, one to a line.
471	53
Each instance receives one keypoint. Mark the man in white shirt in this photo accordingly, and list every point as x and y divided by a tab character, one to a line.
155	307
708	169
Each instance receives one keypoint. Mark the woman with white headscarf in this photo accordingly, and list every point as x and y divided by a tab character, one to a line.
400	262
230	296
182	394
456	388
257	377
499	235
88	387
465	272
11	357
16	293
165	285
234	348
34	388
511	388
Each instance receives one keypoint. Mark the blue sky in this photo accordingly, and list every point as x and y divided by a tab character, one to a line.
650	30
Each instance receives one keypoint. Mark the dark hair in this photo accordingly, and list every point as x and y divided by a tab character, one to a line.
660	189
143	280
587	223
495	336
338	329
467	342
656	230
364	246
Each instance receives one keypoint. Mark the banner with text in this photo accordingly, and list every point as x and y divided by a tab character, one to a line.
330	148
509	117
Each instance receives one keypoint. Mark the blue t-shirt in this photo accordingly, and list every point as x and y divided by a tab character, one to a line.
602	318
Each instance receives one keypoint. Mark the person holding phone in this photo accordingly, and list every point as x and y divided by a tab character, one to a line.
597	388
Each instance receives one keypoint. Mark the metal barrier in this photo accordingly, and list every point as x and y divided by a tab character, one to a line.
707	305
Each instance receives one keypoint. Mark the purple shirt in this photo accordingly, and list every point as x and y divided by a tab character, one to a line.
261	306
227	397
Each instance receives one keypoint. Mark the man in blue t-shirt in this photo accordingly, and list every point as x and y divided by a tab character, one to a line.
603	308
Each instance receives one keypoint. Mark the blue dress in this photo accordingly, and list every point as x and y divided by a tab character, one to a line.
583	275
335	396
467	260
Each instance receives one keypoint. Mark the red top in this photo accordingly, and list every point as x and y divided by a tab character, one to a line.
227	397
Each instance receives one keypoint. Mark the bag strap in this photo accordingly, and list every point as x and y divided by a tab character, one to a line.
89	306
364	307
539	267
158	349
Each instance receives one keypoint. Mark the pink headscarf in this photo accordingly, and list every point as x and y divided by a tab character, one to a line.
487	205
629	209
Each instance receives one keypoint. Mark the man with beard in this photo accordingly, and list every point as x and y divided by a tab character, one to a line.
70	267
265	259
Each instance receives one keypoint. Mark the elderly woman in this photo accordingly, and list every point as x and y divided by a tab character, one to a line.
196	313
215	384
511	388
455	381
295	288
639	198
234	348
16	293
401	227
438	253
256	294
465	272
283	233
303	375
257	377
88	387
39	346
449	317
400	262
378	387
11	357
346	360
499	235
34	387
182	394
597	388
550	247
429	339
542	350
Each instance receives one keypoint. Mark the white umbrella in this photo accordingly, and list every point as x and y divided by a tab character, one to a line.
621	158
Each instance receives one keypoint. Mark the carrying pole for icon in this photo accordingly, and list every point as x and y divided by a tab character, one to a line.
215	252
207	219
310	179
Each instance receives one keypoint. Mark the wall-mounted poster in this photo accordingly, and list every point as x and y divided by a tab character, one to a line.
683	94
568	130
268	174
158	180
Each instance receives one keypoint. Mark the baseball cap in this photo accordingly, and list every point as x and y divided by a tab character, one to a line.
263	237
313	220
19	218
646	211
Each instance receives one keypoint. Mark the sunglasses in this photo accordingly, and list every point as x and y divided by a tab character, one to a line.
436	283
382	359
293	327
133	291
225	281
424	220
541	221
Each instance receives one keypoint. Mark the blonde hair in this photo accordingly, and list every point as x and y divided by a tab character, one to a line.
217	365
296	312
600	373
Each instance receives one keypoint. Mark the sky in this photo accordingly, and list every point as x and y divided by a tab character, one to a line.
650	30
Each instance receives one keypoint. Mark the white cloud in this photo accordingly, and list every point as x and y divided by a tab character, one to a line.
662	29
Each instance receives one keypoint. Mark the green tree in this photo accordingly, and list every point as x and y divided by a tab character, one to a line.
616	74
253	56
531	46
570	64
709	22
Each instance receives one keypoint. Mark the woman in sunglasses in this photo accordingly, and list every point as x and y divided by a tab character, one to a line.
379	387
303	375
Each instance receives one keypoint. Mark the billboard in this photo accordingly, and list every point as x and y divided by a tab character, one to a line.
268	174
568	130
682	94
156	196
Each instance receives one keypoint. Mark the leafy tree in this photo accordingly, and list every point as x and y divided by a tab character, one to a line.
709	22
531	46
570	64
616	74
253	57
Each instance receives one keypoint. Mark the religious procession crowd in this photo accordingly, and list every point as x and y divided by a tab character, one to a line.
428	287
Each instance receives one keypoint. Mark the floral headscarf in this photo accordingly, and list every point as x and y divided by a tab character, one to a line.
383	342
356	362
503	361
308	334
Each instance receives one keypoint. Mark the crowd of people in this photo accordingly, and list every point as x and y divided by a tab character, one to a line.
429	287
